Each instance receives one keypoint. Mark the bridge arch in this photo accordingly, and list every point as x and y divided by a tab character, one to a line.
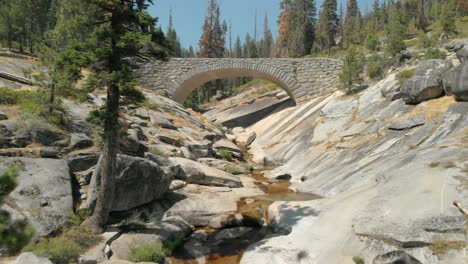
189	81
302	78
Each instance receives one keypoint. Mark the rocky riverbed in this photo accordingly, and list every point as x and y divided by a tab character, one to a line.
339	179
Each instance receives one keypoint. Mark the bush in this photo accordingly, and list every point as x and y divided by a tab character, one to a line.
67	247
157	152
232	169
151	252
33	104
424	41
372	42
374	71
225	154
59	250
249	167
352	70
404	75
14	235
435	54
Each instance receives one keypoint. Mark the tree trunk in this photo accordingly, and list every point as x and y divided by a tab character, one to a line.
52	98
108	157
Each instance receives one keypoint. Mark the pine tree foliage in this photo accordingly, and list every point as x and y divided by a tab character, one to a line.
328	25
352	24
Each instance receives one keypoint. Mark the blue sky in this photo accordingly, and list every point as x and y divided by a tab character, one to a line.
189	15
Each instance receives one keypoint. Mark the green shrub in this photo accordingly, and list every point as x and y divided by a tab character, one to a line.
82	236
66	248
424	41
435	54
372	42
225	154
404	75
232	169
249	167
374	71
59	250
151	252
132	95
352	70
157	152
33	104
358	260
78	217
14	235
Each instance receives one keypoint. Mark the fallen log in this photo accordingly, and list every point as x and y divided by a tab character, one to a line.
15	78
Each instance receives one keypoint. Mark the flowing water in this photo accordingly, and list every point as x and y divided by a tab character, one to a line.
255	213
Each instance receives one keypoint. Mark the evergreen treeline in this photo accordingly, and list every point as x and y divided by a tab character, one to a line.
304	30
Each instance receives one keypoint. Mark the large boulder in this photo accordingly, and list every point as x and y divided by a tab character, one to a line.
80	141
170	229
420	88
137	181
20	133
43	195
431	67
462	54
30	258
3	116
82	161
426	83
455	82
198	173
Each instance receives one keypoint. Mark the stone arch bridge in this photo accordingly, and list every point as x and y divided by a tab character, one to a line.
302	79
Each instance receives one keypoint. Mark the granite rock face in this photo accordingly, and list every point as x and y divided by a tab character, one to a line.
43	195
138	181
455	82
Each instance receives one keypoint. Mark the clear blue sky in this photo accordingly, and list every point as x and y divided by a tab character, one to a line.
189	15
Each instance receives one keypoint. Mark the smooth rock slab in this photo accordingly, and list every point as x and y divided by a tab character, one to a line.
43	194
171	228
195	172
408	123
30	258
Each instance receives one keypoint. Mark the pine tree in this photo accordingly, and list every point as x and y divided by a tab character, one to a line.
376	15
447	17
395	32
212	40
352	24
238	48
352	70
328	24
283	41
421	19
302	21
267	41
120	29
172	39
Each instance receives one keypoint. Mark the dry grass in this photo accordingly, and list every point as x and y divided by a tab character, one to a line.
440	247
431	109
443	164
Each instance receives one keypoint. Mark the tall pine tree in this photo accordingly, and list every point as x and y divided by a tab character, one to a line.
328	24
352	24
